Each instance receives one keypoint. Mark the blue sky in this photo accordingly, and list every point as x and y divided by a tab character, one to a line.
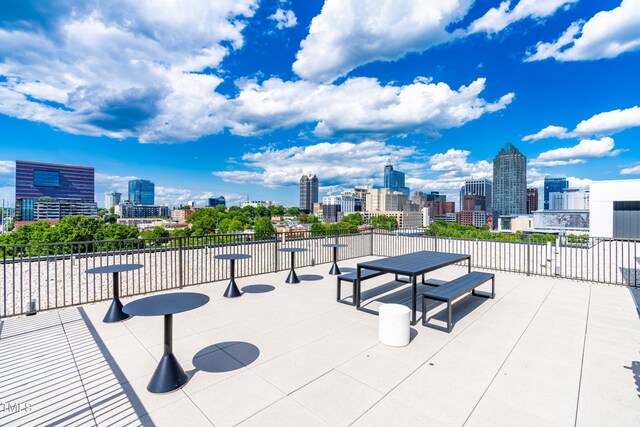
240	97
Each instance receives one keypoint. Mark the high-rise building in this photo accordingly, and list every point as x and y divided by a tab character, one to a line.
438	209
141	192
308	192
361	192
553	185
473	202
509	182
384	199
394	180
480	187
532	200
47	182
111	199
435	196
215	201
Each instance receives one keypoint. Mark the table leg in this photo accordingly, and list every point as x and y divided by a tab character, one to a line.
169	375
469	264
232	290
356	296
115	313
334	267
292	277
414	291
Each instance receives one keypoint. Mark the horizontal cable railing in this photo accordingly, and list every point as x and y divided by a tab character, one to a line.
45	276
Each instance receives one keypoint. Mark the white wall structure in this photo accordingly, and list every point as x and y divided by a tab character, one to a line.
570	199
621	194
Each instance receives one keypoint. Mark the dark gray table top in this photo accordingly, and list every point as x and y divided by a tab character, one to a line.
335	245
234	257
160	305
414	263
115	268
292	250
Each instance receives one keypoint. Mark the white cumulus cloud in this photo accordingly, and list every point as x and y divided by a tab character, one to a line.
284	18
333	163
585	149
632	170
602	124
120	68
606	35
358	106
498	18
350	33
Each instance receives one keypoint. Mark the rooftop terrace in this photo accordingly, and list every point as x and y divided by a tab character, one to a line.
546	351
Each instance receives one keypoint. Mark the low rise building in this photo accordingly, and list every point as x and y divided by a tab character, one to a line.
59	208
181	215
561	221
515	223
126	210
404	219
474	218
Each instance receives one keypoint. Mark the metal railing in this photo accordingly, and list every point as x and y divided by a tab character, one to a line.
45	276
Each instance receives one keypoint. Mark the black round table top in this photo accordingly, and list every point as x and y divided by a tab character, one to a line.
292	250
115	268
232	256
160	305
335	245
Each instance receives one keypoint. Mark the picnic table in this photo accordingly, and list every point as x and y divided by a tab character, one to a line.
411	265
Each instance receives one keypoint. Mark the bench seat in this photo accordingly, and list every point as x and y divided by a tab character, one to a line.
352	277
454	289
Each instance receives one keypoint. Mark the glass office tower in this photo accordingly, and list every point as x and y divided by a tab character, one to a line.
141	192
553	185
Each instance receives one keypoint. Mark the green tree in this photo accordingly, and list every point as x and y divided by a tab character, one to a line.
263	229
386	222
235	226
182	232
117	232
157	236
354	219
293	211
77	228
318	229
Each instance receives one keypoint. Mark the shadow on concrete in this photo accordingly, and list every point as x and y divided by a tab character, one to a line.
310	277
257	289
635	369
460	308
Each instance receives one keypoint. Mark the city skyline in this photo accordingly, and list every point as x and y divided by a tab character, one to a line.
447	96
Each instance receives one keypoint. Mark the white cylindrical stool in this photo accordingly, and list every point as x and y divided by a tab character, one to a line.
393	325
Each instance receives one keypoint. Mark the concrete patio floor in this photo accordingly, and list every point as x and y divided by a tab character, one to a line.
544	352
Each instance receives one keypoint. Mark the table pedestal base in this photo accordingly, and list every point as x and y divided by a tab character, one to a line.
115	313
232	290
169	375
292	277
334	269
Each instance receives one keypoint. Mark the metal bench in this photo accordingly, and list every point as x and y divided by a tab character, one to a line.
456	288
351	277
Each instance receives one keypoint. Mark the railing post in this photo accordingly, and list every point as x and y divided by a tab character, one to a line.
529	255
276	252
180	269
371	242
435	235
